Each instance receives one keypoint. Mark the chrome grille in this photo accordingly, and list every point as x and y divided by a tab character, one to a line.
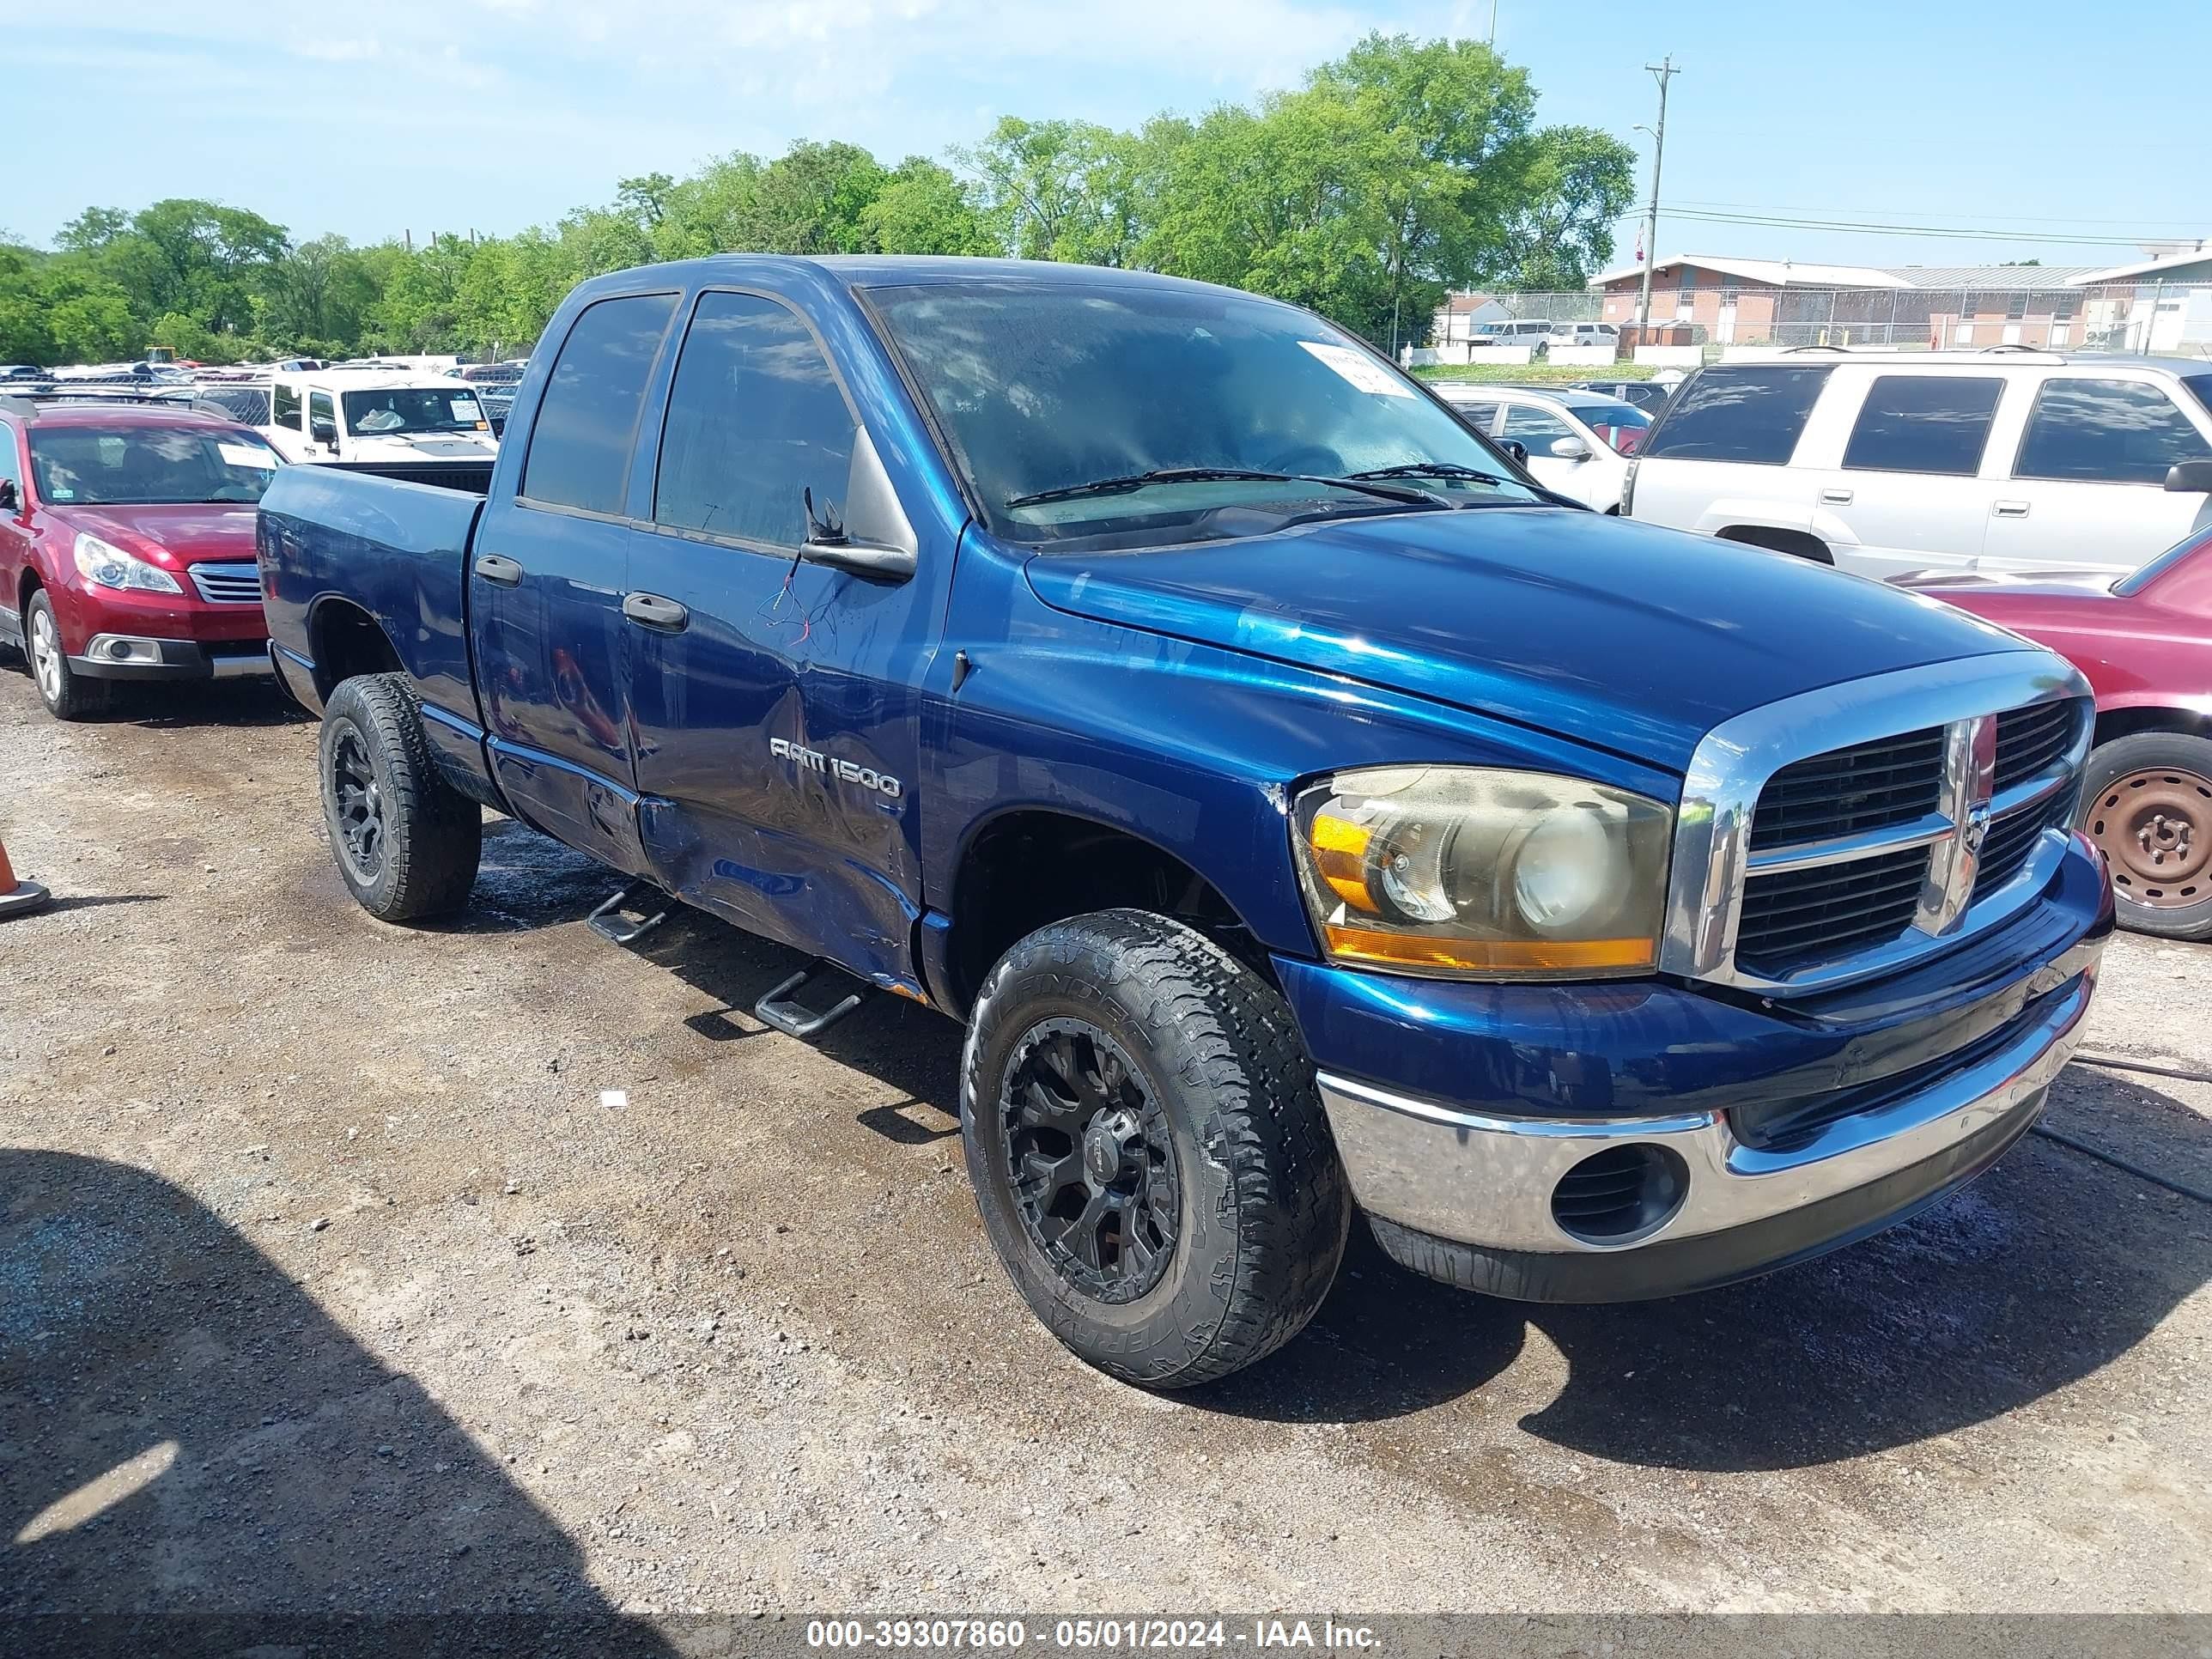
227	584
2012	838
2030	741
1847	791
1934	807
1807	915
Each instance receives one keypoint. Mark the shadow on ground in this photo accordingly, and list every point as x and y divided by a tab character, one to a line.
194	1457
186	704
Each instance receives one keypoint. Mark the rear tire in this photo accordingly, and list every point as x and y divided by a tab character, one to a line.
68	695
2147	802
1148	1150
406	842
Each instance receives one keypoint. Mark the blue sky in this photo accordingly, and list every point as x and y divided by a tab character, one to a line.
2031	119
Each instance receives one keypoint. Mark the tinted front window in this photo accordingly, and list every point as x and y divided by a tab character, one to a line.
755	422
580	445
1923	423
1044	387
1533	425
1754	415
134	465
2106	432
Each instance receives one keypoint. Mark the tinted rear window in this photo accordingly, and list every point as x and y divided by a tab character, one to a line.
1923	423
1753	415
2106	432
579	446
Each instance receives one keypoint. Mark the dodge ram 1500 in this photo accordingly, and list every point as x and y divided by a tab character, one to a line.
1307	815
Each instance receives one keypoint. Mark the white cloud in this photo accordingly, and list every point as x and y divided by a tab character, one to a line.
554	99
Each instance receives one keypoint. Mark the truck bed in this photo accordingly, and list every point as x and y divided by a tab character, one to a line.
338	541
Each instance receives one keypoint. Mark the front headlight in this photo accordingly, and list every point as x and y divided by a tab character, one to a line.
1471	872
109	566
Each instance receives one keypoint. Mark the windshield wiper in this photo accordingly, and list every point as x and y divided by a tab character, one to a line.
1361	482
1433	470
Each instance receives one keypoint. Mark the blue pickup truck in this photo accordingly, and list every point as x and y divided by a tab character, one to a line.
1306	815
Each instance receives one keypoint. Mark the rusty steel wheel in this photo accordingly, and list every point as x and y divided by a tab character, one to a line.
2148	804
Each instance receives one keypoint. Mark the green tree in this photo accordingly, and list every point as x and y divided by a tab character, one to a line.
1444	127
923	208
1578	184
1060	190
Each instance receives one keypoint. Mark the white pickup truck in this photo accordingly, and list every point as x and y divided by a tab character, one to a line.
378	415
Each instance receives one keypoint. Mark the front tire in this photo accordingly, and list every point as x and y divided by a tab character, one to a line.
1148	1150
68	695
405	841
2147	802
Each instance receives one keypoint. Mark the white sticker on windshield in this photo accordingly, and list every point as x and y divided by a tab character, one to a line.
1360	370
246	455
464	409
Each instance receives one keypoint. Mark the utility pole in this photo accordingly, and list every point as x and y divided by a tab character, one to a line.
1662	72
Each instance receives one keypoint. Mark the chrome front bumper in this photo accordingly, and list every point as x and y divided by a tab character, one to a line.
1477	1191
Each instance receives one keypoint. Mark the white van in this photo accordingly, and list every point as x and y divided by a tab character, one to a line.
1583	334
386	415
1531	331
2007	461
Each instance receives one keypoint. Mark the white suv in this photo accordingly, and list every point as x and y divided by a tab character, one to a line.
1881	464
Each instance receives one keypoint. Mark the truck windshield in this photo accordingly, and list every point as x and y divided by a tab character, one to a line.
1044	389
393	410
142	466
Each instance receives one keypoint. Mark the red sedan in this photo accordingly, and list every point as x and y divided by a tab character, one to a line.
126	546
2145	642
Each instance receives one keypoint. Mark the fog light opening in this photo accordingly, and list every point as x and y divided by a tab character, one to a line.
120	650
1620	1193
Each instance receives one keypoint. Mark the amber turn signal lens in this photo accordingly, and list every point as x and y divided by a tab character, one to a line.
1340	853
1489	956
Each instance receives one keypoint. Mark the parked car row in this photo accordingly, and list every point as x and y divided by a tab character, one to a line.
1540	334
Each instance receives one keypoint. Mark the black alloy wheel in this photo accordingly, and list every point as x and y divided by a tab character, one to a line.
362	835
1091	1160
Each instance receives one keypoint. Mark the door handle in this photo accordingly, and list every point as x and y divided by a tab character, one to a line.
2010	510
499	572
1838	497
651	610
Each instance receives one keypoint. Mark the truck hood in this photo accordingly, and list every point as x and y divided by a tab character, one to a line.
1624	636
436	446
182	534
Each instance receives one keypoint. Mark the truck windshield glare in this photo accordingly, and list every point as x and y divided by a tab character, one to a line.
397	409
1040	390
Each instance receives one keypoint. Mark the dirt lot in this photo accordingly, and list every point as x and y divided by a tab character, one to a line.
494	1265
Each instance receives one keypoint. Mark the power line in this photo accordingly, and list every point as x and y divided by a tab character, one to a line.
1959	233
2016	218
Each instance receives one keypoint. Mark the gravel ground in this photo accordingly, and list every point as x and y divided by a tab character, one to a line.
494	1266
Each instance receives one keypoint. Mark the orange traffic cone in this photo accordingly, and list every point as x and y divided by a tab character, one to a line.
19	898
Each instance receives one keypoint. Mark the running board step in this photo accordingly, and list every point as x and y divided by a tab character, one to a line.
786	1009
609	923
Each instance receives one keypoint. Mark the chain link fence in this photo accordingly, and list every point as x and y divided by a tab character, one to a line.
2166	318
